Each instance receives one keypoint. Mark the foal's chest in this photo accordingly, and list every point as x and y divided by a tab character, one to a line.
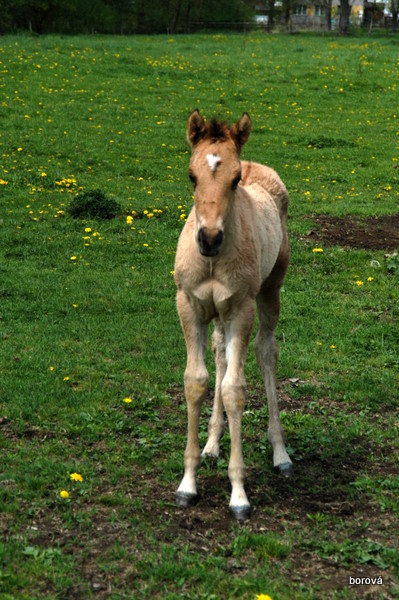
212	299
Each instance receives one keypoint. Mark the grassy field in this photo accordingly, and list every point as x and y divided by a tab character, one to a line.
91	352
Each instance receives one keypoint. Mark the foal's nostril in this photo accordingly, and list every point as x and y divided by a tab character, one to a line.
208	245
218	239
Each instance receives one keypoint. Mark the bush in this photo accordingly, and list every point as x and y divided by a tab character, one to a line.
94	204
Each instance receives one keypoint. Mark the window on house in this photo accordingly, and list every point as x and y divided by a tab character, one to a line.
300	9
320	11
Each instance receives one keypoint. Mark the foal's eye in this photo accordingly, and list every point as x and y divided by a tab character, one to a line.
236	181
192	178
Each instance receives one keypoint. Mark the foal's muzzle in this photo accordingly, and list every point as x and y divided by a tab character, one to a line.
209	245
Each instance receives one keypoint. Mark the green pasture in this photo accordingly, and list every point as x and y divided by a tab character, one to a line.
92	355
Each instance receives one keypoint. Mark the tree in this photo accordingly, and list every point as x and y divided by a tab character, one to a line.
394	11
344	16
328	10
287	14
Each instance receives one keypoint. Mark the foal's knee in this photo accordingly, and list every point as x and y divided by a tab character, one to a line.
195	387
233	396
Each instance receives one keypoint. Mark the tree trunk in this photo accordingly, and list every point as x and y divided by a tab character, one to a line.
395	21
176	17
270	22
344	15
328	16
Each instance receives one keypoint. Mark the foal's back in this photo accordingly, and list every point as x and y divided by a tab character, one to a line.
268	179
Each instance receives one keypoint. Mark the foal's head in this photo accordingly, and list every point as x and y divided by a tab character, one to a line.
215	171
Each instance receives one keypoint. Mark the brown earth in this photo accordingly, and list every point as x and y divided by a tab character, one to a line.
319	489
372	233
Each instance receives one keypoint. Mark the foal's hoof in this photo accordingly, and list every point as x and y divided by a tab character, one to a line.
209	457
184	499
286	469
241	513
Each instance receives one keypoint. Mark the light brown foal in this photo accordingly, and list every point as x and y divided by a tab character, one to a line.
232	255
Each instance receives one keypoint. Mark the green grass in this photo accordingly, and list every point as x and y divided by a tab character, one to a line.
87	319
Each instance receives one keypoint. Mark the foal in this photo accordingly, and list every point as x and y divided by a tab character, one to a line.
232	254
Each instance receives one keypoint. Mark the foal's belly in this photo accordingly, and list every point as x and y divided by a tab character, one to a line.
213	299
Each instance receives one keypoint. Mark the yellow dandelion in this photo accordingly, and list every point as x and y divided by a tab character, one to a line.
129	219
73	258
64	494
87	229
263	597
66	378
333	346
359	282
76	477
317	250
127	400
370	278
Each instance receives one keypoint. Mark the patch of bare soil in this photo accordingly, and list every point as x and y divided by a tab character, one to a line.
372	233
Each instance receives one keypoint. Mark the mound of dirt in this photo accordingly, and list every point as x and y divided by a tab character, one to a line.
372	233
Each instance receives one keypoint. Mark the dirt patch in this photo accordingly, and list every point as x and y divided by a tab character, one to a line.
372	233
320	497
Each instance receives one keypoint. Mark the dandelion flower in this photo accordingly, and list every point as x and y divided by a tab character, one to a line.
64	494
87	229
76	477
129	219
73	257
359	282
127	400
263	597
333	346
370	278
66	378
317	250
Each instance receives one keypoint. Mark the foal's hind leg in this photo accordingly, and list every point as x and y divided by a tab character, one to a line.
216	423
266	351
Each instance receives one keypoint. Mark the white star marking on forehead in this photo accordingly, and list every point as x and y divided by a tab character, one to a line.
213	161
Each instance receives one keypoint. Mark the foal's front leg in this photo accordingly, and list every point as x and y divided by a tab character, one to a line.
238	333
195	386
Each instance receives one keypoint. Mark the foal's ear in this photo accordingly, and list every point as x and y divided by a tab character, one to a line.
195	127
241	130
